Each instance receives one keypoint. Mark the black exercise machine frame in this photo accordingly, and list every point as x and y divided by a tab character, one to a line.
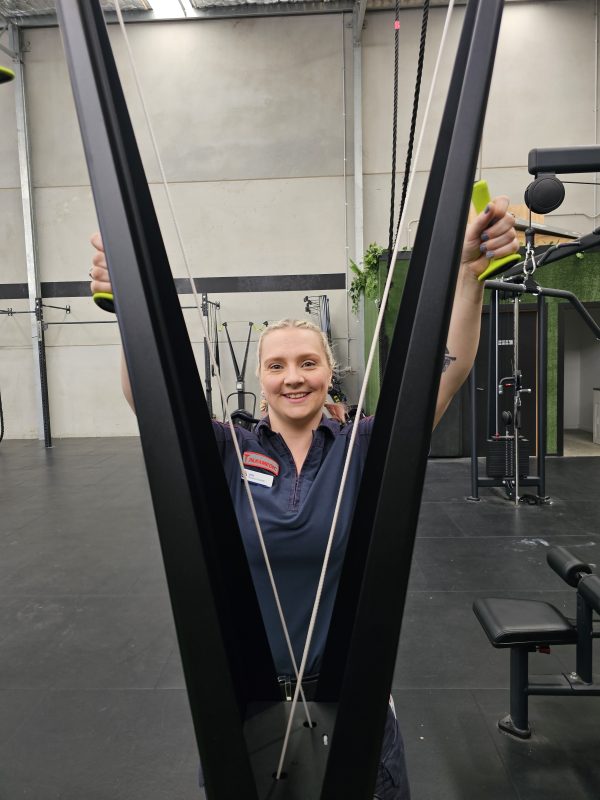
213	599
527	286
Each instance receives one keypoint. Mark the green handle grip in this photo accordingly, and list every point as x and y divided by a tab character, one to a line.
6	74
481	197
105	301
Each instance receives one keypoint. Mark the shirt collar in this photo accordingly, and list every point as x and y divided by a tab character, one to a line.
332	427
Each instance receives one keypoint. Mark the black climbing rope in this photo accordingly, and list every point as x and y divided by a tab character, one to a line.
410	146
415	110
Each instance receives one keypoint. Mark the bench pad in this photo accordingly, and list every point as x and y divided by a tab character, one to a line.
509	622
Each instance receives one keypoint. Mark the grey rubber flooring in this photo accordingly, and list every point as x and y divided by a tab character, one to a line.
92	704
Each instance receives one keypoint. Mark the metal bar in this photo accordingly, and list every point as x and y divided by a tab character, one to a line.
224	650
584	650
559	160
41	348
558	252
372	653
358	19
340	631
541	392
474	461
548	230
585	315
517	396
358	543
31	257
493	377
207	364
562	294
357	112
530	480
519	663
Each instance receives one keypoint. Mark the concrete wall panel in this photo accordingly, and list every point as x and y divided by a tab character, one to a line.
17	389
13	268
85	392
249	118
9	155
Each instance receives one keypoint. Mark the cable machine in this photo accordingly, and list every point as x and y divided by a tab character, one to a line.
507	451
228	668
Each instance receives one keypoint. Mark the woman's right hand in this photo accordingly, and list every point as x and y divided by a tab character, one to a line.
99	272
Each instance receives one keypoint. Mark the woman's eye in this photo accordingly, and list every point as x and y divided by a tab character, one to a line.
309	364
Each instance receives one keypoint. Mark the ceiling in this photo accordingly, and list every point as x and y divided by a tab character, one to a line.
34	13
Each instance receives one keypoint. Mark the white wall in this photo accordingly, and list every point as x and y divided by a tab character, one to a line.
249	116
581	372
572	395
590	377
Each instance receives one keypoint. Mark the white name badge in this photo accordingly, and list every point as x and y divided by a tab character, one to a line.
259	477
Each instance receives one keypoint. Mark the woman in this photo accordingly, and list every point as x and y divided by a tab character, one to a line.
295	456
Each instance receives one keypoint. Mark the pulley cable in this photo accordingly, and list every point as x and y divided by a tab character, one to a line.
197	300
409	150
361	398
394	130
415	110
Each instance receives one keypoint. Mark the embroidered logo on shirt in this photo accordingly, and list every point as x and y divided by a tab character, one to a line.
261	461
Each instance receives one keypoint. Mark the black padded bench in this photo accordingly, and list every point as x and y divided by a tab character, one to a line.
522	625
528	625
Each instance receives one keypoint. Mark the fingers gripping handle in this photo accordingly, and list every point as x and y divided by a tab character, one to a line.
481	198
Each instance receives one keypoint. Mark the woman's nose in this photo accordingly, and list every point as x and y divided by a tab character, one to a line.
294	376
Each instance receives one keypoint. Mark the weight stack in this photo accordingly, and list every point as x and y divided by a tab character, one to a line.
499	460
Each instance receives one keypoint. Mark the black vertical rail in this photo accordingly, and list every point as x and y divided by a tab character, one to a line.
207	364
224	650
39	314
474	461
542	393
492	398
584	649
354	756
340	630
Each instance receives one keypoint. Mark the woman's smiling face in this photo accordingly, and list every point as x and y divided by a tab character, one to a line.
295	376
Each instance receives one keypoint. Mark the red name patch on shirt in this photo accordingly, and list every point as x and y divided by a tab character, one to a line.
261	461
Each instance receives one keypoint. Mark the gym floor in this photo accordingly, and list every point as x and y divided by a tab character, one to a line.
92	704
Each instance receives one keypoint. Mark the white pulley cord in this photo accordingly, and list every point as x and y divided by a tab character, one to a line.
212	358
363	390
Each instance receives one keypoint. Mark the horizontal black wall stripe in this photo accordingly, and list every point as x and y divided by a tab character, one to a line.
13	291
224	285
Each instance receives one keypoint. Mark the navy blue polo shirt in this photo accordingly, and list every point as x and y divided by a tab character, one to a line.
295	514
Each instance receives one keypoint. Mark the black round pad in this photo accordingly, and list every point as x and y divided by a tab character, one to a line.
6	75
565	564
544	194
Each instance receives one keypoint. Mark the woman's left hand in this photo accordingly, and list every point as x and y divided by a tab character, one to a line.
490	235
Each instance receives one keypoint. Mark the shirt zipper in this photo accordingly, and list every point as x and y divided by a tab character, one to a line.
295	493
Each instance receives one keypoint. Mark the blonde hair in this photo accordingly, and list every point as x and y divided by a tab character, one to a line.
301	324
